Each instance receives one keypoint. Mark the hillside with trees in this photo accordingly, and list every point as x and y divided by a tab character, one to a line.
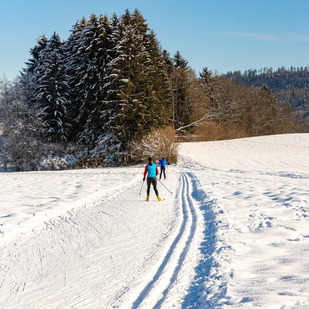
104	94
289	85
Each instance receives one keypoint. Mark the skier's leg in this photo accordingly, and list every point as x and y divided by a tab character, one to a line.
155	189
148	185
154	183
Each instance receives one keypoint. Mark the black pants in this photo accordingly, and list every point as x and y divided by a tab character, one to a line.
153	181
163	171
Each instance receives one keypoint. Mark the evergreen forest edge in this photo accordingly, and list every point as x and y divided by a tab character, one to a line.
110	94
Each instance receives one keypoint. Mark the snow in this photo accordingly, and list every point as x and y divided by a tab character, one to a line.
233	234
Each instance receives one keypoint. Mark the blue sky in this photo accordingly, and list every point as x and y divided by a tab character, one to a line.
223	35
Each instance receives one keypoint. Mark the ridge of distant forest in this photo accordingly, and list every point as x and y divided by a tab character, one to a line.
289	85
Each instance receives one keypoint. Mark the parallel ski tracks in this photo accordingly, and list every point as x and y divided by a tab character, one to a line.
155	291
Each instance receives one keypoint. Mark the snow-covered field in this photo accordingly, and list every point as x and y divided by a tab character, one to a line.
233	234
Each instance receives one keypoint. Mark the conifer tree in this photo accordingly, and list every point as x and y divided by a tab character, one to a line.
126	80
36	60
52	94
88	77
182	110
159	85
180	62
29	77
73	61
168	61
210	87
95	44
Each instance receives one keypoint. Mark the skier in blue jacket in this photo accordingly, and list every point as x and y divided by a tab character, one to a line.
152	171
163	163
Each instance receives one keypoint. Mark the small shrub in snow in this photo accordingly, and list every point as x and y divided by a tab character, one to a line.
157	144
58	163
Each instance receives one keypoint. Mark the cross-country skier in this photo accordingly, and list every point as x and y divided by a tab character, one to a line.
152	171
163	163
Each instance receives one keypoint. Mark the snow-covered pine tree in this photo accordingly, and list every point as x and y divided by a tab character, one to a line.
52	93
36	60
124	103
30	75
88	75
73	63
132	85
105	46
93	49
182	109
168	61
108	143
159	87
208	81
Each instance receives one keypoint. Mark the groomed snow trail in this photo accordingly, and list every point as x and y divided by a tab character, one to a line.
106	250
166	276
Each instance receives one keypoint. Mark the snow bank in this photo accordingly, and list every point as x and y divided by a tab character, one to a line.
259	188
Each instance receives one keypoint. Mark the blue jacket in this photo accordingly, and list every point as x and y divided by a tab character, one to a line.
163	162
152	170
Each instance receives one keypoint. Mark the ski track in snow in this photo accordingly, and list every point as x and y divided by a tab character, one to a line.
167	272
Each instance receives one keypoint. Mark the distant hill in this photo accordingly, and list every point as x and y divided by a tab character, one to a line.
290	86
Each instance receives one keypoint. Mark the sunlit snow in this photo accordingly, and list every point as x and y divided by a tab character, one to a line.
233	234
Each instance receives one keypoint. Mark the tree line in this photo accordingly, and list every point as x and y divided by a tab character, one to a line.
97	95
289	85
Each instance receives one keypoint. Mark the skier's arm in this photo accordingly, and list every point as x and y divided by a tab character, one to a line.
145	172
157	171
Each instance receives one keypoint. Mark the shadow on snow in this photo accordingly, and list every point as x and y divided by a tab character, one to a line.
197	293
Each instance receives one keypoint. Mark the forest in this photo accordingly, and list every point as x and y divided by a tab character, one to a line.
289	85
109	95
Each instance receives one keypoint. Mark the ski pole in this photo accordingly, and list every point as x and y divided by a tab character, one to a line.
141	188
165	187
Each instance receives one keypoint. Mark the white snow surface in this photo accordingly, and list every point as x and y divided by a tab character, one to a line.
233	232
